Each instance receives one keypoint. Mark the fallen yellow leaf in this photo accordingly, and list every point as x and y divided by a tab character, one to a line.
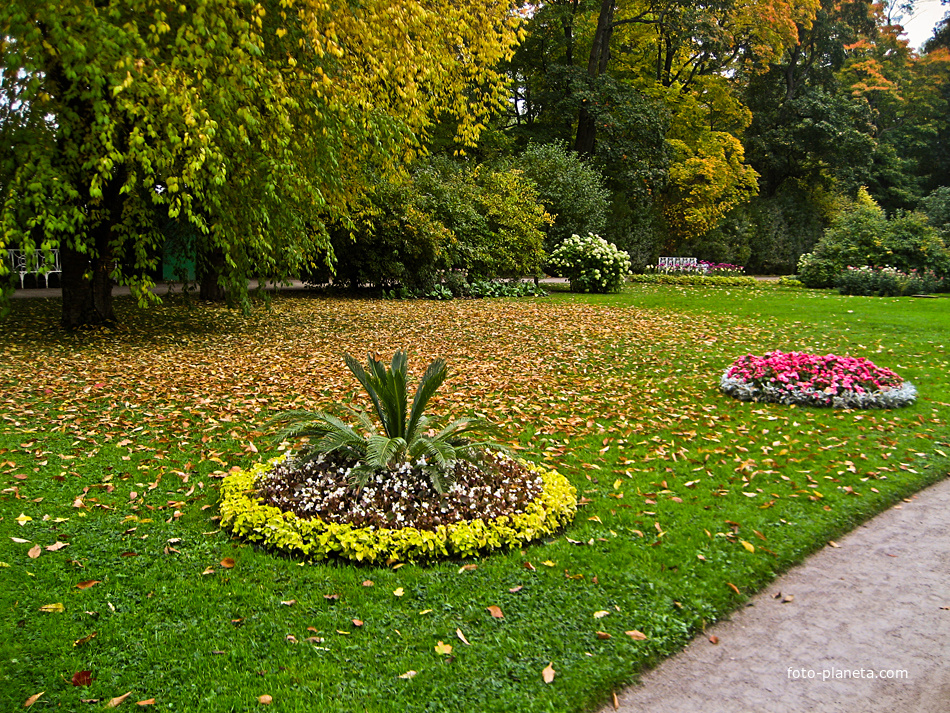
118	700
33	699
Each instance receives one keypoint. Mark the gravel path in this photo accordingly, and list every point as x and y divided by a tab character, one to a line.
879	603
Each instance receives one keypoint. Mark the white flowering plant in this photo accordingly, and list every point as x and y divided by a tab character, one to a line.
591	264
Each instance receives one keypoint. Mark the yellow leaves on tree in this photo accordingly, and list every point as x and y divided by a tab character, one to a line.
410	61
707	175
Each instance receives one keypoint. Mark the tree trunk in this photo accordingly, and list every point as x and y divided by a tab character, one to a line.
210	268
596	65
87	298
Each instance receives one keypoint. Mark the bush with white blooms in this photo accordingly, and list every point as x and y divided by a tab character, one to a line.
591	264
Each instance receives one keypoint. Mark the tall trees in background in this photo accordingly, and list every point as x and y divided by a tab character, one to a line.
765	116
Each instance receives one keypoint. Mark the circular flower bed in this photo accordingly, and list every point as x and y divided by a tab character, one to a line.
814	380
311	508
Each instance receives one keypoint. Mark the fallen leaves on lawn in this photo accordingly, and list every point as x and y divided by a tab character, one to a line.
458	633
408	674
118	700
33	699
636	635
265	699
34	552
443	649
53	608
496	612
88	583
86	639
547	675
227	563
82	678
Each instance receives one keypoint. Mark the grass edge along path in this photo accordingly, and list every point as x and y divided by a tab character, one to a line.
110	443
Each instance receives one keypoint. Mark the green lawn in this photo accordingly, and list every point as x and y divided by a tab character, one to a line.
113	443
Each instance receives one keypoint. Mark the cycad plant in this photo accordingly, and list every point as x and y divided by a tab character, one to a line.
407	437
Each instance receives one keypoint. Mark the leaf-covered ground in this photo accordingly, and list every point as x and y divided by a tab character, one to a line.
116	579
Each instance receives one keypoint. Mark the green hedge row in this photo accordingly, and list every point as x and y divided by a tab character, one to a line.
700	280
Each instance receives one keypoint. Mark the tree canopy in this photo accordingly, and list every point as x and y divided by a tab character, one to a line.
249	123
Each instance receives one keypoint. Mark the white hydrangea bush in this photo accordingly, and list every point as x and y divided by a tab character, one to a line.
591	264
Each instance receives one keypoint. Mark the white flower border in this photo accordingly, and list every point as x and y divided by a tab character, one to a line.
902	395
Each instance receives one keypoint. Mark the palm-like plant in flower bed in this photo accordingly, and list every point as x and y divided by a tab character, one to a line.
405	438
406	488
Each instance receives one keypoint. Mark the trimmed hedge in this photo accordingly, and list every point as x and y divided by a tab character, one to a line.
697	280
248	518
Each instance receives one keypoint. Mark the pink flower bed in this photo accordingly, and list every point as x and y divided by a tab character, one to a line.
816	380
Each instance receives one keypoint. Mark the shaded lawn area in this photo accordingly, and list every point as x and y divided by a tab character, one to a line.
112	445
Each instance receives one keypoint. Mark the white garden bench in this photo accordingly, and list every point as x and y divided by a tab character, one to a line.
676	262
35	264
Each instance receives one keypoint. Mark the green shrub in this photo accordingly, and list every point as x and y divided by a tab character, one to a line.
498	288
695	280
570	189
495	216
887	282
392	242
863	236
592	264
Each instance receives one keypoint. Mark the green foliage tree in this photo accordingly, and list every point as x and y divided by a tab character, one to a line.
936	206
571	190
253	122
495	215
